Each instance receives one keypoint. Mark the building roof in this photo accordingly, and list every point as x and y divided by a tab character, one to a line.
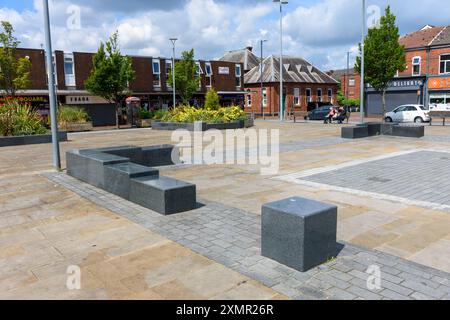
427	36
296	70
245	56
338	74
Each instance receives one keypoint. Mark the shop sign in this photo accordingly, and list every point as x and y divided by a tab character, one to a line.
224	70
439	83
85	100
25	99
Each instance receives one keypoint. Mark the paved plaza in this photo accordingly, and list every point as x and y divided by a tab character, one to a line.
391	193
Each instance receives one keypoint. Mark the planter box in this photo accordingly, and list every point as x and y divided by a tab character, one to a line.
34	139
202	126
144	123
78	127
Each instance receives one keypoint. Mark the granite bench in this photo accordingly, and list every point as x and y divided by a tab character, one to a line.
299	233
388	129
121	171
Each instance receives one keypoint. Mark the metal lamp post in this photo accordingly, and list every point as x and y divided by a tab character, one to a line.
261	78
361	108
173	72
281	57
51	88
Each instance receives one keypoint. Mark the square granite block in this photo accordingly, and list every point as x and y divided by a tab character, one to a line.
355	132
132	152
299	233
408	131
89	165
117	177
163	195
160	155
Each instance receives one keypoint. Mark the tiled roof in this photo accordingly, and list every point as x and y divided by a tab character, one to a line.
296	70
337	74
245	56
426	37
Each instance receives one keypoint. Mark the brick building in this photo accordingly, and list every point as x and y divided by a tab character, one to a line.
151	83
305	86
350	82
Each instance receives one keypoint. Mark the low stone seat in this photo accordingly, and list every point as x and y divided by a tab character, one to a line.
132	152
160	155
163	195
408	131
89	165
117	177
299	233
355	132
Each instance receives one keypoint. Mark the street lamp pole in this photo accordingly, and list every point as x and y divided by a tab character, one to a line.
261	78
51	88
281	109
361	111
173	73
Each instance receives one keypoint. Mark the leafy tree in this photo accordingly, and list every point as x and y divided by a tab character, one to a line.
186	78
14	71
384	55
111	74
212	100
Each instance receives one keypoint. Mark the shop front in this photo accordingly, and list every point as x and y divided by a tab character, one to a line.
439	90
400	91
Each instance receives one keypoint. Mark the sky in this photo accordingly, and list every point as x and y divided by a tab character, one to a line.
321	31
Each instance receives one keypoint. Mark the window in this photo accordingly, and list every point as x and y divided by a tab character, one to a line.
264	97
445	64
238	75
308	96
296	96
319	95
416	66
208	70
168	68
249	99
198	73
351	82
330	95
69	70
156	73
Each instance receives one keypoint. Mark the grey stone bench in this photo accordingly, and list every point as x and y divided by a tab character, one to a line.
298	232
388	129
355	132
118	177
408	131
124	171
164	195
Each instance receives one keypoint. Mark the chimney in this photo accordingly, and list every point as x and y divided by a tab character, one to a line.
250	49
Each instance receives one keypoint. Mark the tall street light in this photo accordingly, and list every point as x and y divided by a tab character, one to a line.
281	57
361	108
51	88
261	78
173	72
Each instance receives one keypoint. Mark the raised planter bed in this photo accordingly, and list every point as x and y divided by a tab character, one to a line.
78	127
34	139
201	126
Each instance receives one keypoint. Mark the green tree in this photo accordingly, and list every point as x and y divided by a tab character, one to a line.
111	74
186	78
212	100
384	55
14	71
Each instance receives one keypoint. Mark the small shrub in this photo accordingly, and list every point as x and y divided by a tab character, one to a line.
17	119
145	114
212	100
187	114
67	115
160	114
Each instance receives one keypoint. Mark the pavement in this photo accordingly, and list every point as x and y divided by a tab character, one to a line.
49	221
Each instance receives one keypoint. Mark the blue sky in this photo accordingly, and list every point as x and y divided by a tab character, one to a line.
322	31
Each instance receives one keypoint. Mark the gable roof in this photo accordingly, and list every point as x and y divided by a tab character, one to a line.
338	74
296	70
245	56
430	36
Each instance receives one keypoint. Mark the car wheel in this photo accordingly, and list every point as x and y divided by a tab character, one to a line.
388	119
418	120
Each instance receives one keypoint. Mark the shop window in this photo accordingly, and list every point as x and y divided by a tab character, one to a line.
156	73
238	75
416	66
296	96
445	64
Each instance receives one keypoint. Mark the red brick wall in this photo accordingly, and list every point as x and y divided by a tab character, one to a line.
273	96
354	92
38	74
434	61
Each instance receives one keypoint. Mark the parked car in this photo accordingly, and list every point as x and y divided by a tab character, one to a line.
409	113
319	113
